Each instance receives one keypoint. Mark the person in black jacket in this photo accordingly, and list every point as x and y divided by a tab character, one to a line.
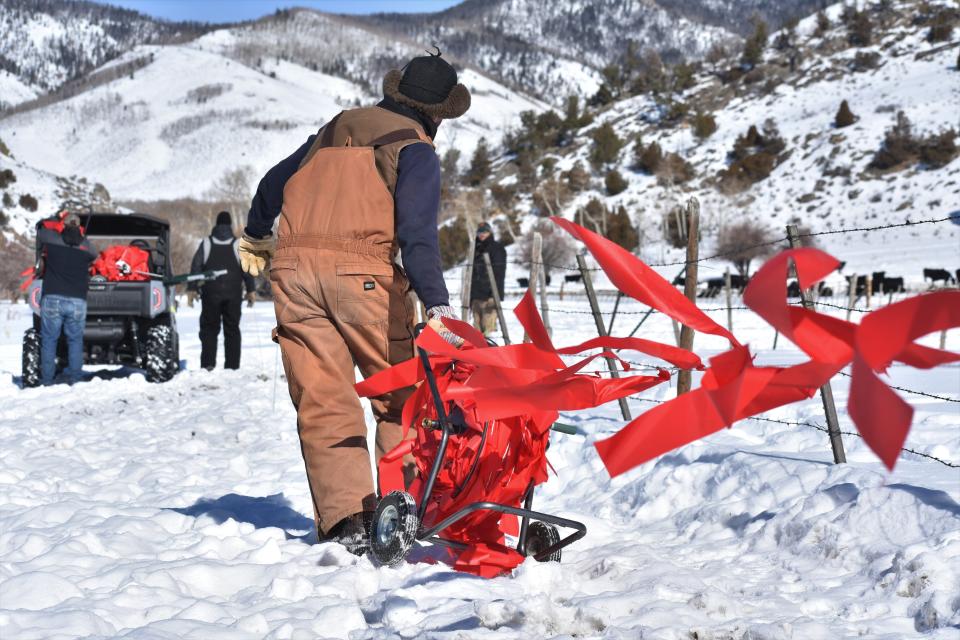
481	293
221	298
63	304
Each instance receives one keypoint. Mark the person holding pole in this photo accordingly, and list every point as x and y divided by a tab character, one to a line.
481	289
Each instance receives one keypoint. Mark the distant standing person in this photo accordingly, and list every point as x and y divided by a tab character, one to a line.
63	304
220	299
481	293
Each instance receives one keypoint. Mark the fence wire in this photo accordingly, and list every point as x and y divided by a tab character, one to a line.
819	427
724	254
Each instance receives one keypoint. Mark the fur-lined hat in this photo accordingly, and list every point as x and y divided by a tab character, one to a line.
429	85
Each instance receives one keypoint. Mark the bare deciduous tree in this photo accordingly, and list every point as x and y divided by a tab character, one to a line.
743	242
557	248
234	188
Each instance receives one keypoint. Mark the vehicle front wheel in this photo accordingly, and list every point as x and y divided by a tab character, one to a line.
160	361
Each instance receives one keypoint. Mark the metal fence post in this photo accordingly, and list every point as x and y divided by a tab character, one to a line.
601	330
496	298
826	391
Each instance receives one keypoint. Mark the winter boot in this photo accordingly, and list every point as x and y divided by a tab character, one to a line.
353	532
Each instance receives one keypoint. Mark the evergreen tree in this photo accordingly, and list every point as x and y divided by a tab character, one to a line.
606	145
755	45
844	117
480	165
859	28
823	24
704	125
614	182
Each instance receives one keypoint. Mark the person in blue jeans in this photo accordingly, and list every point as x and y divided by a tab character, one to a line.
63	304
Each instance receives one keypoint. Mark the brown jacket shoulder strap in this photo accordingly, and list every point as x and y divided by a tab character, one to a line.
399	136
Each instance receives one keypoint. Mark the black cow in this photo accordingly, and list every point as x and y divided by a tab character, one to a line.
893	285
793	290
936	275
572	278
525	282
876	281
716	285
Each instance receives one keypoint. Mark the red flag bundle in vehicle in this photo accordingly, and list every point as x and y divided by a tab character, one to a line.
119	263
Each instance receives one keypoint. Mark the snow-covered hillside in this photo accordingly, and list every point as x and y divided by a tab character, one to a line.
824	181
48	42
179	124
32	194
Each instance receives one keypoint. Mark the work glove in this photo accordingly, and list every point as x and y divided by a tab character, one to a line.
191	298
251	298
255	253
434	315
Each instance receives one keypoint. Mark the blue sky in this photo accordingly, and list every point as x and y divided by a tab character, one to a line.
235	10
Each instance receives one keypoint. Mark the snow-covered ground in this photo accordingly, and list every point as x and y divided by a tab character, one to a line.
181	510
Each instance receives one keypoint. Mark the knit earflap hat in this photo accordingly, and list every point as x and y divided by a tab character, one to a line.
429	85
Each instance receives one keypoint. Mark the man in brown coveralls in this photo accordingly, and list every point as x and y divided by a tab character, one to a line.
366	186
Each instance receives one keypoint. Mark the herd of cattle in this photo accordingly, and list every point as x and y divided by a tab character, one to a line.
880	283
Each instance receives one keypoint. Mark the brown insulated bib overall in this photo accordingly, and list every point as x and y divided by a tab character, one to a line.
340	299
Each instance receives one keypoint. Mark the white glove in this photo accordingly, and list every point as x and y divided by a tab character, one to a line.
255	253
434	315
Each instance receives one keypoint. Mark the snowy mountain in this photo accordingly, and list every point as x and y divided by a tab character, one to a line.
49	42
822	177
166	131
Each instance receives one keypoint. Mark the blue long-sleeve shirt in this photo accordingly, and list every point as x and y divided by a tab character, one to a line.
416	206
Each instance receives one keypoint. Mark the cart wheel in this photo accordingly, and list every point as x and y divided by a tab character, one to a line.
542	536
394	528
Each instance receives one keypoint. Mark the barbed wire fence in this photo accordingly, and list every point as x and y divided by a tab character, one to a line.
653	366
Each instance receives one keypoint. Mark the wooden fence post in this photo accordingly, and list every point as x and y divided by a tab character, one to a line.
544	305
496	298
467	282
684	377
601	330
536	251
726	285
851	295
869	289
465	278
826	391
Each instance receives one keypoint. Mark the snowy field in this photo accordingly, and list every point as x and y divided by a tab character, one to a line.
181	511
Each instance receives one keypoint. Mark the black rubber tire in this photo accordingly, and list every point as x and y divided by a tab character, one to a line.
394	528
542	536
159	350
31	358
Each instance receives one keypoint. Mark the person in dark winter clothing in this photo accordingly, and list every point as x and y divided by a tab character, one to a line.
221	298
481	293
63	304
362	189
